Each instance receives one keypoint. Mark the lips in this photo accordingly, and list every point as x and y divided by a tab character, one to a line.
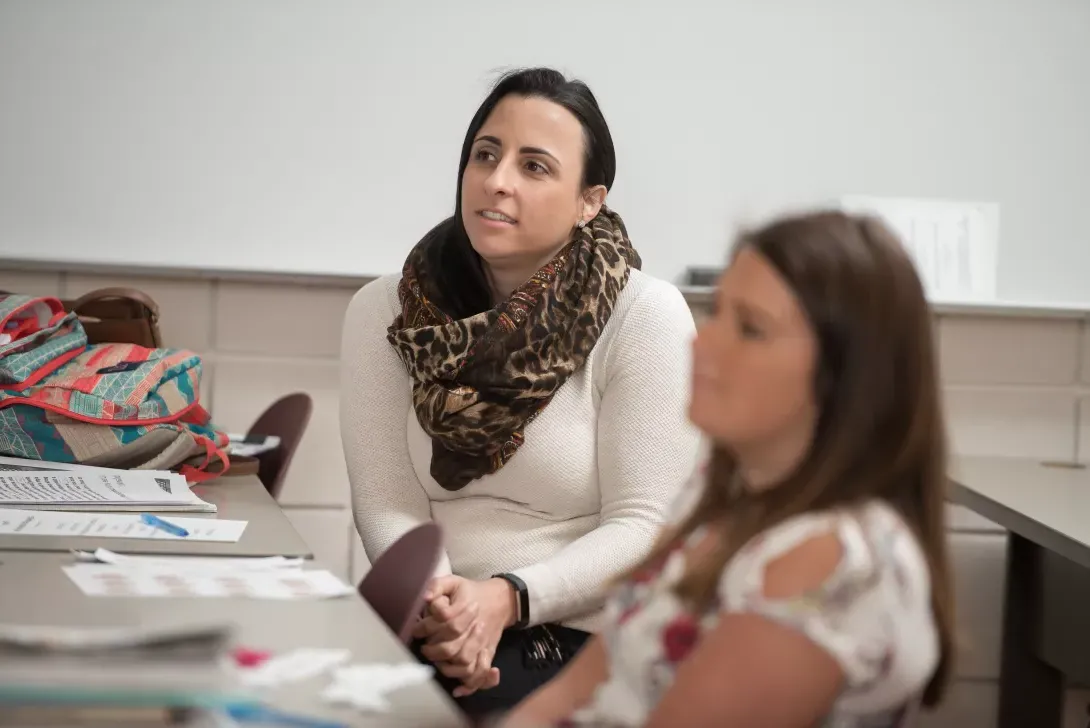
497	216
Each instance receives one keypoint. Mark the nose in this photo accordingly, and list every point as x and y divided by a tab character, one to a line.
502	179
709	344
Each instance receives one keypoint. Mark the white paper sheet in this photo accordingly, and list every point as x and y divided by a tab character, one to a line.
366	687
62	486
955	245
239	446
108	580
293	666
113	525
24	464
203	564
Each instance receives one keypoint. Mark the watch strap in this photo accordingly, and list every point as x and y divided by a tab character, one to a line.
522	599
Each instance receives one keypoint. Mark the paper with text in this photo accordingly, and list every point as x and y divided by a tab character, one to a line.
110	580
113	525
46	485
190	563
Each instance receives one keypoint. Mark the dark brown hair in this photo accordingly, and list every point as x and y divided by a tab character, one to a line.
880	431
452	261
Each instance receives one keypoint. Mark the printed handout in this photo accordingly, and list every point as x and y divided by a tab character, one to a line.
113	525
59	486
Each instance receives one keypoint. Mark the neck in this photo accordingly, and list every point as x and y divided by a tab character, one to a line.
765	464
504	278
504	281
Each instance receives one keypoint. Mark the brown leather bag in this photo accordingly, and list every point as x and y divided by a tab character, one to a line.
118	316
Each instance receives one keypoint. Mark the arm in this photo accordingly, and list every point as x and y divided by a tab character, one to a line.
567	692
753	670
646	451
387	497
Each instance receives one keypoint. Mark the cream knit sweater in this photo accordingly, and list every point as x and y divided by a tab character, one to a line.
581	500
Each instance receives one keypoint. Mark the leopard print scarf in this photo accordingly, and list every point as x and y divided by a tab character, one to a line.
477	382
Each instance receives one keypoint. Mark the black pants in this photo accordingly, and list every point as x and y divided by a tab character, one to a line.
522	670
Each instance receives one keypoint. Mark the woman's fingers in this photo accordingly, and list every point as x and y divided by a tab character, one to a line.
458	617
447	651
484	677
469	682
445	610
471	648
456	671
463	663
478	680
436	630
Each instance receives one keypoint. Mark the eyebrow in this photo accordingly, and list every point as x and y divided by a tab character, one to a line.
762	315
523	150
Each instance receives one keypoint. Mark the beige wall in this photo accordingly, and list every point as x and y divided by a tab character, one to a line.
1013	385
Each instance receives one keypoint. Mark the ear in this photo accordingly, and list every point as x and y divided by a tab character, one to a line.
593	199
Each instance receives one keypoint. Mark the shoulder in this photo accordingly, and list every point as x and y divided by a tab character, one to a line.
377	300
849	552
650	318
652	300
366	321
855	581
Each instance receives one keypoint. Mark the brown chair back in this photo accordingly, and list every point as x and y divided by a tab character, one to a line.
394	587
286	418
118	315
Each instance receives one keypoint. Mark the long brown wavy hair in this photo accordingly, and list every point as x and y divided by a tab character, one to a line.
880	431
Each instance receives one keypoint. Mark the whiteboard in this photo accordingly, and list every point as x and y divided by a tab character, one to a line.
323	136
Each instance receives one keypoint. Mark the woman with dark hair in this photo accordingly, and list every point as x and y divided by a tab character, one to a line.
803	580
522	383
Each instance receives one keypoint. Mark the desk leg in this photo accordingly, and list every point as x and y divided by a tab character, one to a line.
1031	692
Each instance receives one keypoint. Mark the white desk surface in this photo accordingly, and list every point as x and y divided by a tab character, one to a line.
1047	504
36	592
268	531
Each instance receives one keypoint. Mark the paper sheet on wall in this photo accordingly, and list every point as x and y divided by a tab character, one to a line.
955	245
109	580
113	525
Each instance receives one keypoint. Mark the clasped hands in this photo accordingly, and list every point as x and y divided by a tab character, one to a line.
461	626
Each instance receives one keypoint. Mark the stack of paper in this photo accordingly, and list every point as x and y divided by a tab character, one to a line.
44	668
62	486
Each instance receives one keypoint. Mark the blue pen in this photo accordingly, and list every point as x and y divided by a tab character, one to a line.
157	522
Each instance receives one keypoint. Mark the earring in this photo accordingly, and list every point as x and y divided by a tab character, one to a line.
581	224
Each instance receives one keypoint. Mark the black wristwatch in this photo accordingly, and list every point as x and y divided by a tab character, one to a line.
522	599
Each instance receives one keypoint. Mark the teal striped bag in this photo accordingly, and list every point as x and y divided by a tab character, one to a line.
114	405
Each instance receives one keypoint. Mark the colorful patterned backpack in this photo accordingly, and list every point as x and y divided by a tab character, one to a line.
110	404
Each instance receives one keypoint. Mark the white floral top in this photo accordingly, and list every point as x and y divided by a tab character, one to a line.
873	615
